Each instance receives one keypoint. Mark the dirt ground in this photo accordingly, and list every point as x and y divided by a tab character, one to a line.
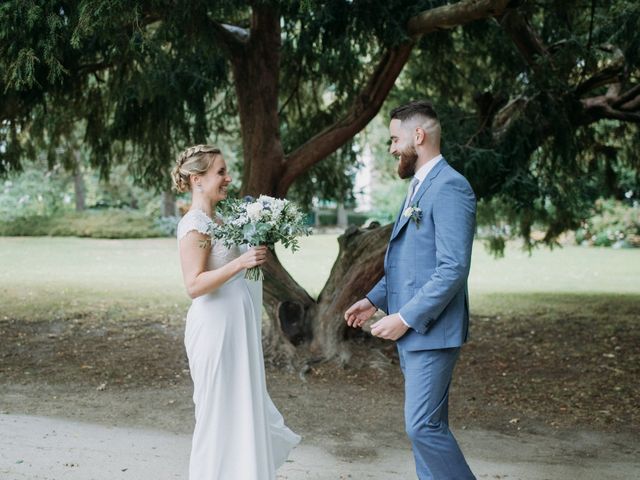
514	374
554	377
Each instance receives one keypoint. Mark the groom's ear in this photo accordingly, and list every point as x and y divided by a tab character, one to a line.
419	136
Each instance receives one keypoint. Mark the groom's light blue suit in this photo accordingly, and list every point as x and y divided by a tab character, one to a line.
425	280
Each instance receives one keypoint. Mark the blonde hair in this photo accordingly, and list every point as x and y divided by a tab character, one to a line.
194	160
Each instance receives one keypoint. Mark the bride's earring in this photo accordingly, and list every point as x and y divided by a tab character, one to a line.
199	188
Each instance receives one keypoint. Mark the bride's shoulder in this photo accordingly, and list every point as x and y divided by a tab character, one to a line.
193	220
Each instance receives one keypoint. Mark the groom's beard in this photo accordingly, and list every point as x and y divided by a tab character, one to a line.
408	159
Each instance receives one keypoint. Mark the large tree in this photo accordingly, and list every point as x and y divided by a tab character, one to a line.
541	108
298	79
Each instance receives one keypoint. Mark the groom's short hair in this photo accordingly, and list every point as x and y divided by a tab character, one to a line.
410	110
419	113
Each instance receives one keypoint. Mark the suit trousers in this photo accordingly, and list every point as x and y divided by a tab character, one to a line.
427	377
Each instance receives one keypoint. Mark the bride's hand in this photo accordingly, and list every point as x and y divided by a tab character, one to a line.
253	257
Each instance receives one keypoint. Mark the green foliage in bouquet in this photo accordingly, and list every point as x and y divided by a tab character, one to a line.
262	221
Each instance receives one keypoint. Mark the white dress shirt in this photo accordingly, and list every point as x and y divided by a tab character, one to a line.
423	171
421	174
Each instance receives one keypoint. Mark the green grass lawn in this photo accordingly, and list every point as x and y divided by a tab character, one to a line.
66	276
44	276
567	279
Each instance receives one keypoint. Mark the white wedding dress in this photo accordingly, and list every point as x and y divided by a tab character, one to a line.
239	434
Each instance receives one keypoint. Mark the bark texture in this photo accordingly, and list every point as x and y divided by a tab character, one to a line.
168	203
78	183
357	269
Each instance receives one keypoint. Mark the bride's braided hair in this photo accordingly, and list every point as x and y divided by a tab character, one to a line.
194	160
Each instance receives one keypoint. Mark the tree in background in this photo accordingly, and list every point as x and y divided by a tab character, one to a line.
540	109
145	78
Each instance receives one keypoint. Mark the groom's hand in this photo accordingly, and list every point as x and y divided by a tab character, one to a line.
390	327
359	312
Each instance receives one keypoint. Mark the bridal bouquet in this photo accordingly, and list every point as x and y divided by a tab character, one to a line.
265	221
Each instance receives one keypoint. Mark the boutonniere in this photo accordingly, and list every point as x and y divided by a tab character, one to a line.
414	213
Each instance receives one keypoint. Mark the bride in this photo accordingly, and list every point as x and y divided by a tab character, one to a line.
239	433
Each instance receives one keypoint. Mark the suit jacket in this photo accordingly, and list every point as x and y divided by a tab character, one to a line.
427	263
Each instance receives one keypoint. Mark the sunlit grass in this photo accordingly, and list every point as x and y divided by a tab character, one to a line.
562	280
60	276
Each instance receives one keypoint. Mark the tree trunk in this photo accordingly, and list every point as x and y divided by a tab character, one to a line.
316	217
168	203
290	311
293	316
78	187
357	269
341	216
256	69
256	74
78	183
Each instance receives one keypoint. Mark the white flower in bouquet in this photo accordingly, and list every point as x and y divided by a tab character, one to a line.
265	221
277	206
254	211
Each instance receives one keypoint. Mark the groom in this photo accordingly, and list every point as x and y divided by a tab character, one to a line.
424	287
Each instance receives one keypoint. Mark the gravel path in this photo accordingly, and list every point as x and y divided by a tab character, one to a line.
47	448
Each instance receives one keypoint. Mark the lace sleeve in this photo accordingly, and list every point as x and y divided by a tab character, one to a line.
193	220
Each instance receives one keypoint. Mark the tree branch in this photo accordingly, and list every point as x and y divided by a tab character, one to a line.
524	37
231	37
364	108
93	67
614	105
373	94
606	76
295	89
628	97
632	104
242	35
451	16
598	108
612	73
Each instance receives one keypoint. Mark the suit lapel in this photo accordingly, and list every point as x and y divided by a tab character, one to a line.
402	220
398	218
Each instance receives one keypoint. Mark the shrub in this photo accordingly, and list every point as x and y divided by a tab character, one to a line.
109	223
615	224
329	219
357	219
167	225
34	193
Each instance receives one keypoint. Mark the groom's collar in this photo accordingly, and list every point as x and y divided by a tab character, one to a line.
430	171
424	170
